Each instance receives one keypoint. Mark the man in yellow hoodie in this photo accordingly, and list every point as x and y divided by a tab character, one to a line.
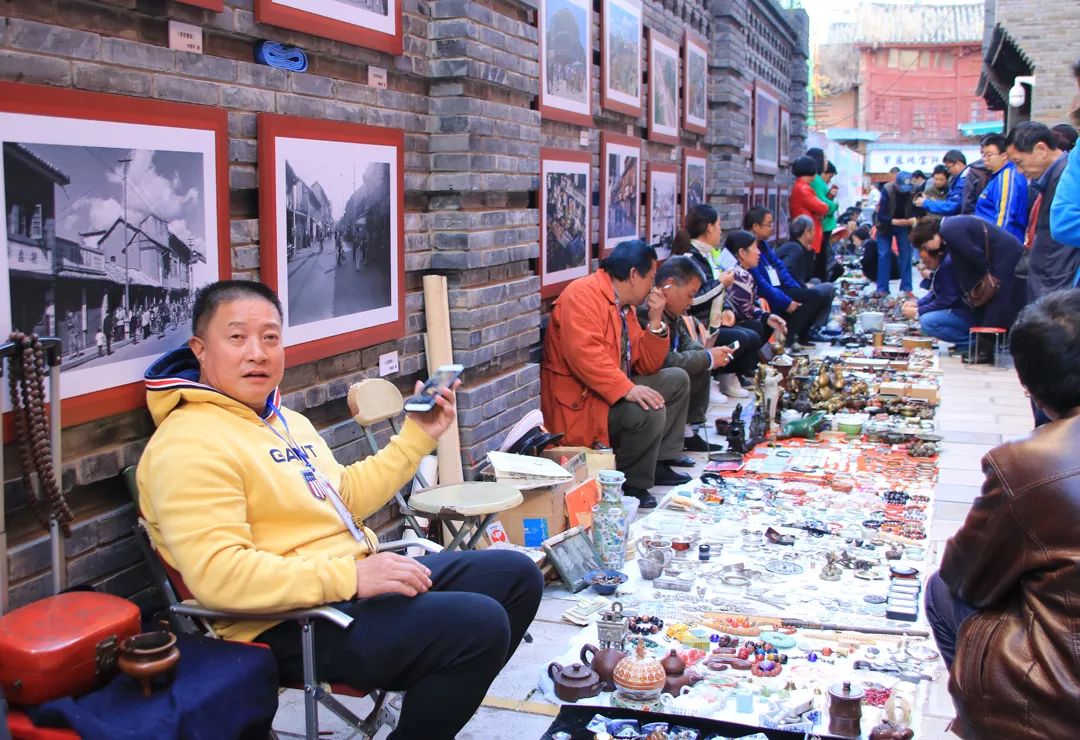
246	500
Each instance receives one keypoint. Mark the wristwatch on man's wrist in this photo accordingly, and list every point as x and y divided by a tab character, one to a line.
660	331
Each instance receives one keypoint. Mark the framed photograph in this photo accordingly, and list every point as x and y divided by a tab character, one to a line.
620	56
565	202
759	196
693	174
620	189
374	24
663	89
566	61
781	215
332	207
785	136
215	5
766	129
771	199
695	83
115	211
661	208
748	141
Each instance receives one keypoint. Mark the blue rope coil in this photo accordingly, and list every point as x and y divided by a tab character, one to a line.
281	56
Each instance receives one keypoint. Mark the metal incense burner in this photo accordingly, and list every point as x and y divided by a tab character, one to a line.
611	628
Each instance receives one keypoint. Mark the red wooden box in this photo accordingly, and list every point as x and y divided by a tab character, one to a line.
62	645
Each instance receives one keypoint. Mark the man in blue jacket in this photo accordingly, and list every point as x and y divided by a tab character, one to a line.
942	312
1065	211
956	164
1004	201
805	308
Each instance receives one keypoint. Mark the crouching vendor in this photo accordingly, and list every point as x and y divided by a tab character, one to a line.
247	502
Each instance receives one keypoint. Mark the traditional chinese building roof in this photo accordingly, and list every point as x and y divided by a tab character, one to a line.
890	23
34	160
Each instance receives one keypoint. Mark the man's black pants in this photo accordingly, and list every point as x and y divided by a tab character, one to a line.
745	360
442	648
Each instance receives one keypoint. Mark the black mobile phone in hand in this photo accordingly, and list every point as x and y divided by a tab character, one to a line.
443	377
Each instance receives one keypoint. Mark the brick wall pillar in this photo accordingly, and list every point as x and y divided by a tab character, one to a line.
484	162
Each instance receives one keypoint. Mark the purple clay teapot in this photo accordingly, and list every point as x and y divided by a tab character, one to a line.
574	682
603	662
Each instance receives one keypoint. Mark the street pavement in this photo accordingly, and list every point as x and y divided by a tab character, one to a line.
151	348
313	271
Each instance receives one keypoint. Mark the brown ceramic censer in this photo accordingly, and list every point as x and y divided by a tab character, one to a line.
845	710
148	655
603	662
638	677
574	682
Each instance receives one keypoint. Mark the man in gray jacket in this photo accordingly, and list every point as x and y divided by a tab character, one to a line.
1052	265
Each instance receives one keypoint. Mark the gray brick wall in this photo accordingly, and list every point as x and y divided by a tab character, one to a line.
1046	32
464	92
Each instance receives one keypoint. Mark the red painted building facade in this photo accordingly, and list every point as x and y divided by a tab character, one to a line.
920	93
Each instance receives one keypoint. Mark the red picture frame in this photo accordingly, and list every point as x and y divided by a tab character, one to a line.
573	162
766	152
782	216
694	157
549	106
215	5
617	143
662	46
606	99
692	43
672	173
272	128
78	105
274	13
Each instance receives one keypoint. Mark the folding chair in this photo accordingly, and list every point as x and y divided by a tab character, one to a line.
465	509
186	615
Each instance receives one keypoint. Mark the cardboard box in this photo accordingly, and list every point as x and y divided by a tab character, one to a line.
542	513
913	343
898	390
923	392
595	460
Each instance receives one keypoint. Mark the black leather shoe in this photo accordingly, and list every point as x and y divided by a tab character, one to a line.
645	499
697	444
682	461
665	476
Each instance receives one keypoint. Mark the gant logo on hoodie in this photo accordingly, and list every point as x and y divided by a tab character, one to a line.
291	454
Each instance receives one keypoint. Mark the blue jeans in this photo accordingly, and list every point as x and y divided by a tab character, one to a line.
945	613
884	249
946	325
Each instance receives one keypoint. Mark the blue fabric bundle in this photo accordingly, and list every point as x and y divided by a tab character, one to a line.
281	56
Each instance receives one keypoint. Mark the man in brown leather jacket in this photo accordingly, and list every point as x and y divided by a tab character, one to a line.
1005	606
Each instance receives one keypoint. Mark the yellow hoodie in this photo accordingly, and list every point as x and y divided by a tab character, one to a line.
228	507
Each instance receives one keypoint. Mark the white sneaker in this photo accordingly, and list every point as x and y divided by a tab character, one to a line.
716	396
729	386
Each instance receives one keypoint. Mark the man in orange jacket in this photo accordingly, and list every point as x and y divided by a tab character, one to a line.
603	383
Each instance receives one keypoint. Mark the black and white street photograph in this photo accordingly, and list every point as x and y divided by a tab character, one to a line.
105	246
338	241
338	246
